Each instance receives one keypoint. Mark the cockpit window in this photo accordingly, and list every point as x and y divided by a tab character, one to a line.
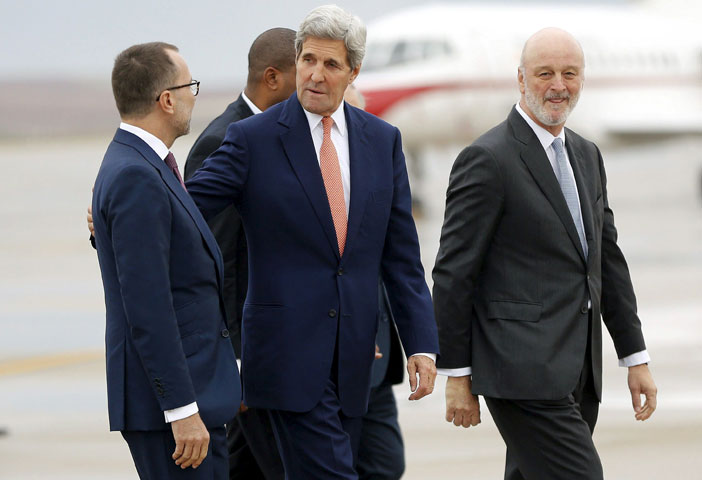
387	54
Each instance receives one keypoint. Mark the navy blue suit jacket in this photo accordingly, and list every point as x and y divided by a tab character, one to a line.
166	338
302	295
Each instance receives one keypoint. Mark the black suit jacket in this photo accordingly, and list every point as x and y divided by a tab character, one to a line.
511	282
226	226
390	367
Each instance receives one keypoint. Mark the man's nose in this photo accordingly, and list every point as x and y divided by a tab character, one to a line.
558	84
317	73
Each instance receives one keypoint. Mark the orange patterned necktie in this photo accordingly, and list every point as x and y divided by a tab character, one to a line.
331	174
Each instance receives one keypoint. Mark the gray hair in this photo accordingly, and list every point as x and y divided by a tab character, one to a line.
334	23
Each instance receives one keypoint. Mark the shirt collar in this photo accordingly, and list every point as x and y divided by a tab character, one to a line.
544	136
251	105
151	140
338	117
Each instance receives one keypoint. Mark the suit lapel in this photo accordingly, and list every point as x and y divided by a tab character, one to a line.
582	180
177	189
534	156
360	160
242	108
299	148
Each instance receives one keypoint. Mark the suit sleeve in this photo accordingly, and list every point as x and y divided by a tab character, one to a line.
474	201
228	231
221	179
402	268
138	220
618	298
203	147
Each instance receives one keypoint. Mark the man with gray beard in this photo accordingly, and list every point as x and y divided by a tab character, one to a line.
528	264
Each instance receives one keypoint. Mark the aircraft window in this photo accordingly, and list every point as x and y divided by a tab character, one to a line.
381	55
378	56
398	53
643	60
670	60
435	49
413	52
654	59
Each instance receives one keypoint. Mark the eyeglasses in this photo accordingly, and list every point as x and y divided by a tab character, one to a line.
194	88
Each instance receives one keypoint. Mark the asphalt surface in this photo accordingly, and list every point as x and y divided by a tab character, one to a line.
53	420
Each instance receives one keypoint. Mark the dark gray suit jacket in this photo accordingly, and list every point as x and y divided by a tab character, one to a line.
226	226
511	283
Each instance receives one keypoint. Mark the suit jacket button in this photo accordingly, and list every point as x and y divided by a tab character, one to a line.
583	310
225	333
340	272
332	313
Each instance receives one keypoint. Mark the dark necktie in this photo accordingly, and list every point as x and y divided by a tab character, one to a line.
171	163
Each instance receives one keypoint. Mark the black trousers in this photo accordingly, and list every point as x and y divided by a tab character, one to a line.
381	454
551	439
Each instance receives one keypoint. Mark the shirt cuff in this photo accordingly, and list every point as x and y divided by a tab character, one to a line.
430	355
180	412
455	372
635	359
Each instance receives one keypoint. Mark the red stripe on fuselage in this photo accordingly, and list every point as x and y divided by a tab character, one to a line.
379	101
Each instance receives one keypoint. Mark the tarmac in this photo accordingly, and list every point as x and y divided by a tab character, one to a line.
53	410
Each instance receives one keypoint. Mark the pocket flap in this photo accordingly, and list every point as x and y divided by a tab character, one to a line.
521	311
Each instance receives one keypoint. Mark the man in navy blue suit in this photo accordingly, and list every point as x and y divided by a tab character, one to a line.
172	379
310	315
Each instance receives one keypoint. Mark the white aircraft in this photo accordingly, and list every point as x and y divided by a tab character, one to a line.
444	74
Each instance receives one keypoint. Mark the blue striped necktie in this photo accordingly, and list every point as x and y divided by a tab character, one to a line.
570	193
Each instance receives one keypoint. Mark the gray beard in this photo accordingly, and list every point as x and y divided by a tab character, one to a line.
536	105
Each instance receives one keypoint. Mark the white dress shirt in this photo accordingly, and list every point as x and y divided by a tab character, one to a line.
251	105
340	139
162	151
546	139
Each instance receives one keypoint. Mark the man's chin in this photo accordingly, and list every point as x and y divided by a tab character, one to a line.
312	106
553	118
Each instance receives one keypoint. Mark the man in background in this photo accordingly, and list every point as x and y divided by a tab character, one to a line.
381	453
253	453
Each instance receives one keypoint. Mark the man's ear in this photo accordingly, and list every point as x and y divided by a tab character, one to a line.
165	102
354	73
271	76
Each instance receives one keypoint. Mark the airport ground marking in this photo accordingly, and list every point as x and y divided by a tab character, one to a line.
43	362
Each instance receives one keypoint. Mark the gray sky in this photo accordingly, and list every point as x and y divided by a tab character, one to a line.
45	39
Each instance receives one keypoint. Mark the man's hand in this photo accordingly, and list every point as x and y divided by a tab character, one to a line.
192	440
641	383
90	221
378	354
424	367
462	407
